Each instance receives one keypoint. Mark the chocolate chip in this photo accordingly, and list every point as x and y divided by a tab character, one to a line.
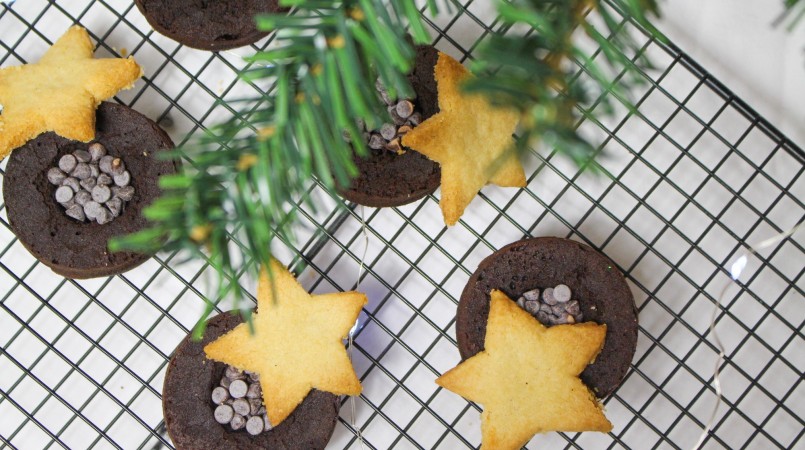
92	209
415	119
255	404
547	296
532	306
115	206
388	131
81	171
405	109
385	96
64	194
225	382
241	406
558	310
405	129
88	184
224	414
394	116
125	193
561	293
394	145
82	197
267	423
546	308
104	180
233	373
544	318
237	422
72	183
76	212
94	170
123	179
101	193
559	320
255	377
238	388
56	176
104	216
82	156
67	163
254	391
105	164
376	142
118	167
533	294
220	395
255	425
521	302
572	307
97	151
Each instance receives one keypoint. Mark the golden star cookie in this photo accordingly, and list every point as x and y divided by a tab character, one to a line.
527	377
61	92
297	342
469	138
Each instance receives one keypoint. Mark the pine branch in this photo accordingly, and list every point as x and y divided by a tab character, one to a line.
532	72
794	13
244	179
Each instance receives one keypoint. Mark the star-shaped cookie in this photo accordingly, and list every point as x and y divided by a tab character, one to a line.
297	342
61	92
527	377
469	138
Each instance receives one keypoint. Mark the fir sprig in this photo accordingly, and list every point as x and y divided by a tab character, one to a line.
534	74
244	179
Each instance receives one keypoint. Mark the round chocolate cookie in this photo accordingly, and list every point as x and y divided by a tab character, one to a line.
217	25
596	283
188	407
70	247
389	179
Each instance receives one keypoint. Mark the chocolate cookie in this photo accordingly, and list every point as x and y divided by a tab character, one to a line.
390	179
188	408
598	286
70	247
218	25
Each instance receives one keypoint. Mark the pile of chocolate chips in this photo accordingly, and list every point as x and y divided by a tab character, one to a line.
553	307
389	135
239	402
92	185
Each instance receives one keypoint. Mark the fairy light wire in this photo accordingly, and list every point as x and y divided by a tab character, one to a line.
736	269
361	271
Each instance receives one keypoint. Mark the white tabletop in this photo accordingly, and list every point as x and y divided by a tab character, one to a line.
738	43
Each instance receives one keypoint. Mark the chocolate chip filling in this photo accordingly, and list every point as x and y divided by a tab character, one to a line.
239	402
553	307
389	136
386	177
91	185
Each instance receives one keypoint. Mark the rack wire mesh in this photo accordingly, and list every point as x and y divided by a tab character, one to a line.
690	179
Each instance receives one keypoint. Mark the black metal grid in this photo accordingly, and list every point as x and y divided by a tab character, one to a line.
690	179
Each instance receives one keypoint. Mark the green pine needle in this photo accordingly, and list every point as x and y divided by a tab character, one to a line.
243	180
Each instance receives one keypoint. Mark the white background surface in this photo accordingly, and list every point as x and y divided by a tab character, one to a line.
736	41
86	359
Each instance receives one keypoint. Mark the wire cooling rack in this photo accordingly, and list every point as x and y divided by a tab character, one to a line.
691	178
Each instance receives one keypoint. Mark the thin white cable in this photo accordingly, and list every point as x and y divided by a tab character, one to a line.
735	272
361	269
